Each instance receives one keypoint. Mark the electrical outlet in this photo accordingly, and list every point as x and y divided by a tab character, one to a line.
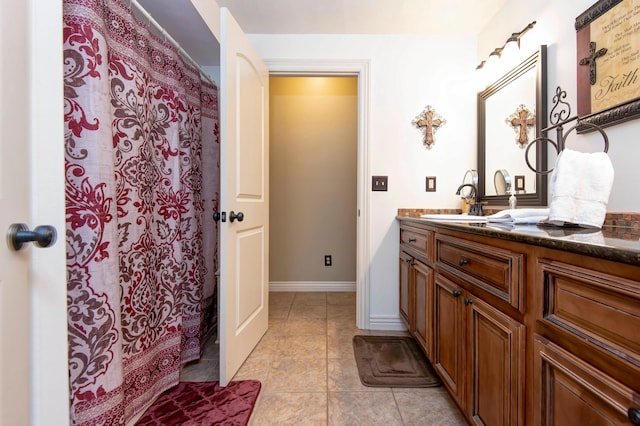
379	183
327	260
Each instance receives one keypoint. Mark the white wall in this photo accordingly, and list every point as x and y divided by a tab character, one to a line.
406	74
555	28
410	72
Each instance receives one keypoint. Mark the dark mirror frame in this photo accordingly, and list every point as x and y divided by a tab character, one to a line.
539	198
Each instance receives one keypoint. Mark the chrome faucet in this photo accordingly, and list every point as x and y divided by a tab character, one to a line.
476	208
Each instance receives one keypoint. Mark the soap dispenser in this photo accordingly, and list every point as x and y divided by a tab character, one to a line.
513	201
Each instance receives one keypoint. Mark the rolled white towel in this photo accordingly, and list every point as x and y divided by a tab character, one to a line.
580	188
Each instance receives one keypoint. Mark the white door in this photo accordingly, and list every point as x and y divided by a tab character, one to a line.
244	263
14	187
33	339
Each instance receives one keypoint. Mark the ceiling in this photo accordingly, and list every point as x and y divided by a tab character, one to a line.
459	17
430	17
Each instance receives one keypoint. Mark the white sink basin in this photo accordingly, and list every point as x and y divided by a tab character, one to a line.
455	218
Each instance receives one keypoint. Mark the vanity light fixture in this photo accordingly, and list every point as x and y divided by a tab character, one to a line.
480	73
492	60
512	42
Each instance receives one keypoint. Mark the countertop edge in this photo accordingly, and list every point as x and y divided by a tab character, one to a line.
602	251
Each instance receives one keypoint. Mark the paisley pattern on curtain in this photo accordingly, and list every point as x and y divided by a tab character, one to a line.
142	170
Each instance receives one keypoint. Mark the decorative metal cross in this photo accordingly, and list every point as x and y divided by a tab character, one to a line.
521	120
591	60
428	121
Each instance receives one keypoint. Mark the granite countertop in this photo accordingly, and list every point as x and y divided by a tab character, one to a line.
618	240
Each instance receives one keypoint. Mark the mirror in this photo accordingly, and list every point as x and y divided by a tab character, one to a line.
511	113
502	182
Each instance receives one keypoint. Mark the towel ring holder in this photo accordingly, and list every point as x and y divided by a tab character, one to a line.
532	143
564	110
593	126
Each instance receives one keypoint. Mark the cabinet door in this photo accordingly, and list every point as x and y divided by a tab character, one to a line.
447	356
496	344
570	391
405	276
423	308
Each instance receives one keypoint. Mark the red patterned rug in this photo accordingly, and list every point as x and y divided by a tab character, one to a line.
203	403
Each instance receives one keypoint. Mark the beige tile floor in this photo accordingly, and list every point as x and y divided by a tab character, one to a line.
309	376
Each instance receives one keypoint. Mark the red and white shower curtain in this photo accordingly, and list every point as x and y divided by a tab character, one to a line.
141	176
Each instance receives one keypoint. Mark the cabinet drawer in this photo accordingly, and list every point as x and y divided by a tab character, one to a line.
418	239
498	271
571	391
601	310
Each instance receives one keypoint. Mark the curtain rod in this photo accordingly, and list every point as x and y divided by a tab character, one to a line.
171	40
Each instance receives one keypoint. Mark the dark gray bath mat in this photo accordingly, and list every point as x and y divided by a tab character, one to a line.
392	361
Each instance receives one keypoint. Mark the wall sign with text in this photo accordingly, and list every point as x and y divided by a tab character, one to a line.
608	62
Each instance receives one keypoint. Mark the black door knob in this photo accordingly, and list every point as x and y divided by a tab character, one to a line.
634	416
233	216
456	293
19	234
468	301
217	216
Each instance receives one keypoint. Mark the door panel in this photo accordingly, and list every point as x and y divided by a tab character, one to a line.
448	335
250	289
423	328
14	193
251	106
33	317
497	366
569	391
244	176
405	271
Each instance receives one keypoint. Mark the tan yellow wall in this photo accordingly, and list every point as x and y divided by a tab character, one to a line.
313	160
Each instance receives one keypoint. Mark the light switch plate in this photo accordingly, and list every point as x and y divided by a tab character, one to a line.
379	183
431	184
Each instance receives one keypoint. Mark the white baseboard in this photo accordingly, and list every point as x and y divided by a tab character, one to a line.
278	286
386	322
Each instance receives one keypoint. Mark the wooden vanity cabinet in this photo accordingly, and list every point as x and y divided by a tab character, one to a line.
477	350
479	354
416	285
521	333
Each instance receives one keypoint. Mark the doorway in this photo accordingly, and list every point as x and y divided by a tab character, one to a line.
360	70
313	174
